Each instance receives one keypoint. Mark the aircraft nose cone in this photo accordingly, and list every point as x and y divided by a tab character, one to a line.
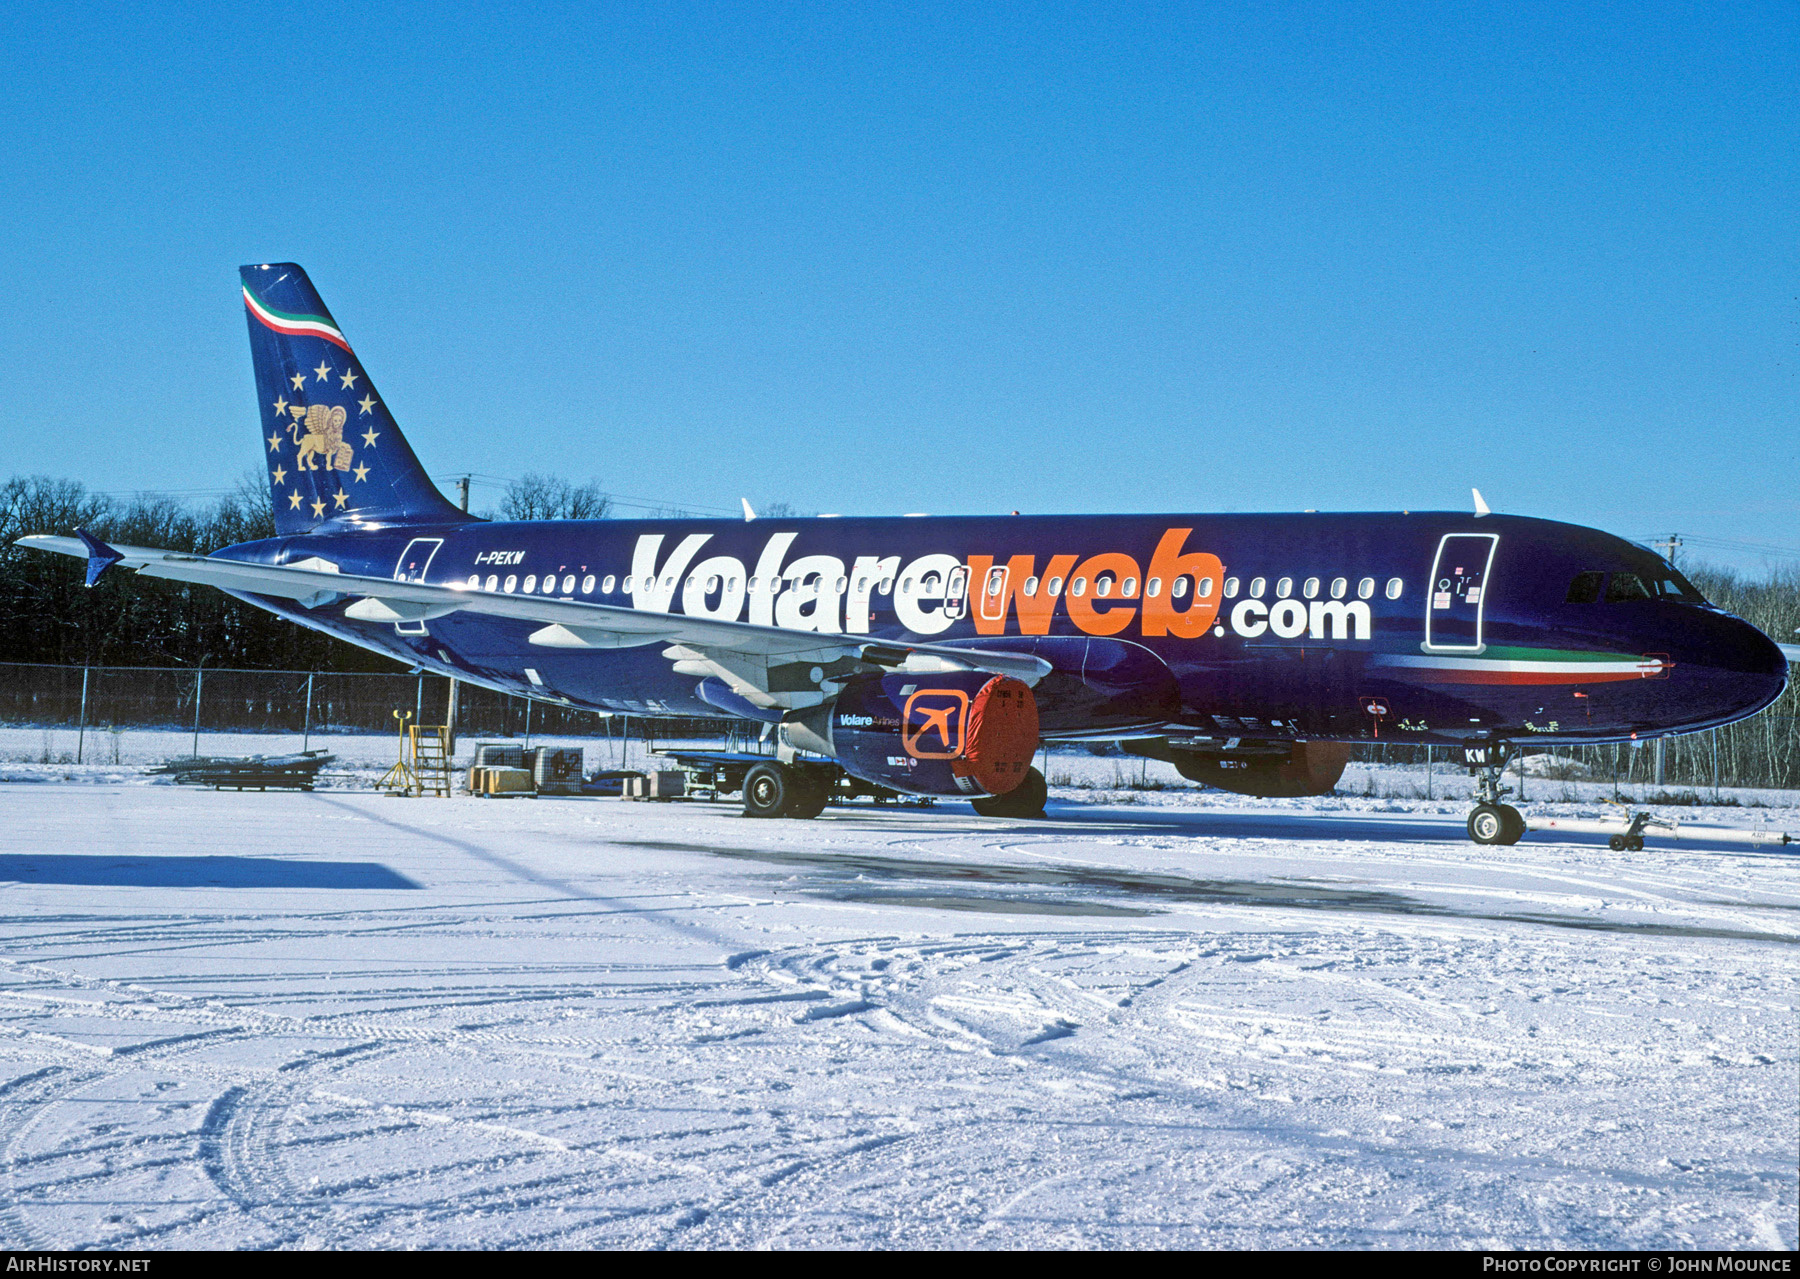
1748	667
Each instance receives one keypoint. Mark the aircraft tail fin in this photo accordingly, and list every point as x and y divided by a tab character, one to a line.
333	452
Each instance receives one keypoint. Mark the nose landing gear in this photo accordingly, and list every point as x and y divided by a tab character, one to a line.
1492	822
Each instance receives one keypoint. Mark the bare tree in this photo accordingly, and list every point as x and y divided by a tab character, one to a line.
550	497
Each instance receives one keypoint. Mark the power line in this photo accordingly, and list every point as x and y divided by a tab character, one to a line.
1727	544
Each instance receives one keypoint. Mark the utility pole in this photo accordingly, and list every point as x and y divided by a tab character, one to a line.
1670	545
462	492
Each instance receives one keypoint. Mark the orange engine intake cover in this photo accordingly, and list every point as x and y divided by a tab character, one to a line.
1001	736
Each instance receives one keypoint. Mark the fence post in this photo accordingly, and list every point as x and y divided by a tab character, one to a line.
199	687
1715	754
528	723
306	729
1428	772
419	701
81	720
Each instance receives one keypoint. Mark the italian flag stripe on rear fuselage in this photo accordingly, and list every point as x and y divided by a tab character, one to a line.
1530	666
316	326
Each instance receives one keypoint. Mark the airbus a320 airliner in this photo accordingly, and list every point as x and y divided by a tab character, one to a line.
932	656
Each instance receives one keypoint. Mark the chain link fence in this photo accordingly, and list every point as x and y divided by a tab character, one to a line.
301	703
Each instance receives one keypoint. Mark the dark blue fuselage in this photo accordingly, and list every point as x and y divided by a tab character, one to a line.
1426	627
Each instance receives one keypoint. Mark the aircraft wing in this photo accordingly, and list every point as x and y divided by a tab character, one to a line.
772	668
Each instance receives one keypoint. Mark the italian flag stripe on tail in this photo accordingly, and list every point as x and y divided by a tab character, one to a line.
317	326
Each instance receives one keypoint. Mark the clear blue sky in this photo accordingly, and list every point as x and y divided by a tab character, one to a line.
878	259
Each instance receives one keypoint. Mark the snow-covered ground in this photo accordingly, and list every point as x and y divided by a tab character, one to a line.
341	1019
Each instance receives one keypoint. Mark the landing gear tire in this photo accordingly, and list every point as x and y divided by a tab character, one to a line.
774	790
810	795
1496	824
1024	800
1626	843
768	790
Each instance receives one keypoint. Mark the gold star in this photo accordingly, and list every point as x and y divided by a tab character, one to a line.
340	497
367	402
318	508
274	441
280	406
369	436
293	501
324	370
349	378
299	380
361	472
280	476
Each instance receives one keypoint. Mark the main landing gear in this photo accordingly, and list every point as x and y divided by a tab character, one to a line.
1492	822
774	789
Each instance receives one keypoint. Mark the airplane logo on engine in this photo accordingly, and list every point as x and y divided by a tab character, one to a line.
941	712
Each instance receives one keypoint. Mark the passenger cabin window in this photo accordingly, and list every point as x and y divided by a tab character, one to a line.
1054	587
1231	588
1153	588
606	587
1311	589
1078	586
493	583
475	582
1284	588
1257	587
512	580
1365	588
1339	588
1206	588
1394	588
1129	589
587	584
1585	589
1180	589
1031	585
1625	586
569	584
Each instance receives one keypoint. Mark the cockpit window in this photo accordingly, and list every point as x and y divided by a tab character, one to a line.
1585	589
1673	586
1626	586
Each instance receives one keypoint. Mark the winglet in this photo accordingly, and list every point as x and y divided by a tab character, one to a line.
748	513
1481	506
100	556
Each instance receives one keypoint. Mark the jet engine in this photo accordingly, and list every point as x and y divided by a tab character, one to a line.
1267	770
955	733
